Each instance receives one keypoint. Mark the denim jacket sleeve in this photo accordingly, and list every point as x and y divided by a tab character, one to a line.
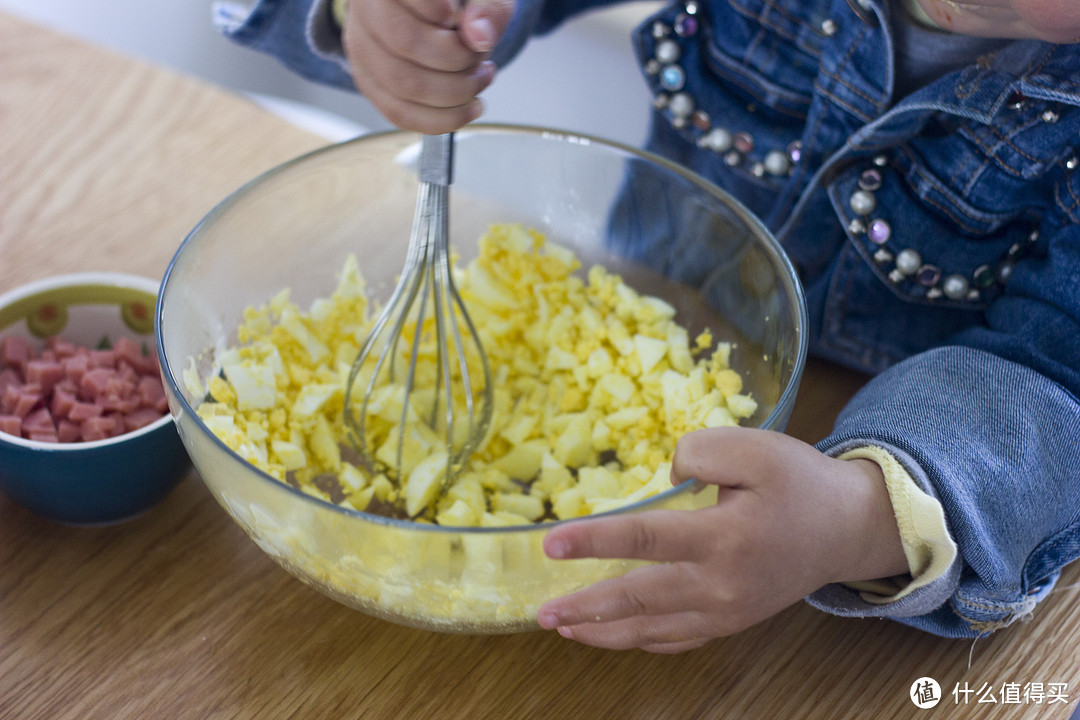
303	36
990	426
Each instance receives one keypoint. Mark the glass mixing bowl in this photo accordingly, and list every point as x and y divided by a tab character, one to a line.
667	231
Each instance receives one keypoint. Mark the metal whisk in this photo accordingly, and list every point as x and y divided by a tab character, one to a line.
425	281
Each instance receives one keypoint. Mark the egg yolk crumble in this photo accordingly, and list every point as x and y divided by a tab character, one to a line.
593	384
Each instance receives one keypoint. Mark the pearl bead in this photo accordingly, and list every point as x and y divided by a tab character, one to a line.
681	105
863	202
955	287
856	226
828	27
733	158
757	170
777	162
668	52
908	261
717	139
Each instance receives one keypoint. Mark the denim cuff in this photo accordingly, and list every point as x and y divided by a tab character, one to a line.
908	600
996	443
300	33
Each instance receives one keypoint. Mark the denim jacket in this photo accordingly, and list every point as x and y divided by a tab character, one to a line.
937	236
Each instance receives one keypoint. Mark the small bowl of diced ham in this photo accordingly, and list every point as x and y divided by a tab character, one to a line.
86	436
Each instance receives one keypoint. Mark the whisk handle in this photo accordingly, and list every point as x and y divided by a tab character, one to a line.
437	159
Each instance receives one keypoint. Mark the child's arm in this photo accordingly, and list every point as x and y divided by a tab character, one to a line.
788	521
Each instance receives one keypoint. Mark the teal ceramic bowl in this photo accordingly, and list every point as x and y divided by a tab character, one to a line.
102	481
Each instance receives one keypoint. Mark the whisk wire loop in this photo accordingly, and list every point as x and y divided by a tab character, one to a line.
426	276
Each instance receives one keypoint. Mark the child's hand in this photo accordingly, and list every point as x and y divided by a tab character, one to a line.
1055	21
788	520
422	63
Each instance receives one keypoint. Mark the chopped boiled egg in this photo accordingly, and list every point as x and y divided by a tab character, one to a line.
594	384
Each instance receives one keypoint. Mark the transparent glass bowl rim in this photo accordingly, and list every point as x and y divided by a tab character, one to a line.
787	275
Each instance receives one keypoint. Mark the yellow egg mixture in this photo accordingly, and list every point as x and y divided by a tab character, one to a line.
593	385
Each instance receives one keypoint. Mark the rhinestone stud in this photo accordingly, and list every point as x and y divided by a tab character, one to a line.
686	25
744	142
672	78
928	275
870	180
879	232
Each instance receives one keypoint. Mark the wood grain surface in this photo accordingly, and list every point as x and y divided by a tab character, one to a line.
106	163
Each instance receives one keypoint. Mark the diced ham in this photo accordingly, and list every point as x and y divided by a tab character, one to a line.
45	373
82	411
39	421
140	418
62	402
68	432
15	350
95	383
119	387
76	366
122	405
126	372
69	393
131	352
62	348
152	393
21	399
9	376
118	423
11	424
98	428
102	359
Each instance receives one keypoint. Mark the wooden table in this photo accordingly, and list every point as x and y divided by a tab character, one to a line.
106	163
